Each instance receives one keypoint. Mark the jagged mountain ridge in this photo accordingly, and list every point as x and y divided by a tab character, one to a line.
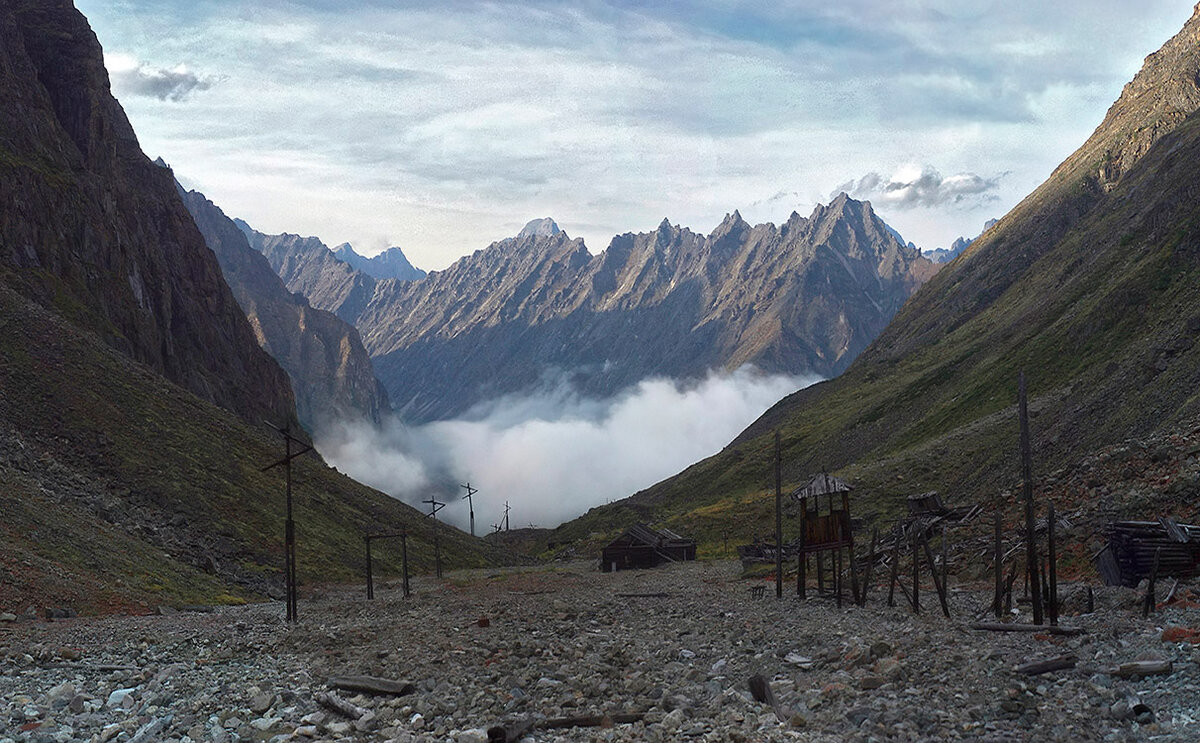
309	267
1090	285
91	228
330	371
390	264
801	298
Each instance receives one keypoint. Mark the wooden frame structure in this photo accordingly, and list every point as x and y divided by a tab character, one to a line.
824	527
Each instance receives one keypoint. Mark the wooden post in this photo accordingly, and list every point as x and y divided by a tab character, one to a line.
837	576
820	573
802	560
778	518
895	570
370	579
866	581
404	558
916	588
1149	606
471	504
998	568
938	583
1031	553
1053	557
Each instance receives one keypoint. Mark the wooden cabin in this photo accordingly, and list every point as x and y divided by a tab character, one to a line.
643	547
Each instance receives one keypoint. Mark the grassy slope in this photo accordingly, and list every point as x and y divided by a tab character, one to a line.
1094	294
117	485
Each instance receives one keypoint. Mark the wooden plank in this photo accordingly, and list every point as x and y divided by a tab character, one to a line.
373	685
1059	663
1018	627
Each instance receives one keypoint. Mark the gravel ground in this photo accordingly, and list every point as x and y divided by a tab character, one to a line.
491	647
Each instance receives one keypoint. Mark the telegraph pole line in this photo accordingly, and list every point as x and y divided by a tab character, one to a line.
434	507
506	509
471	504
289	535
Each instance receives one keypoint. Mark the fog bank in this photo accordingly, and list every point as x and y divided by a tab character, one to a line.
554	454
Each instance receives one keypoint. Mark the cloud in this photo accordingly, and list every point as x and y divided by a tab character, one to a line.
556	454
923	187
435	124
134	78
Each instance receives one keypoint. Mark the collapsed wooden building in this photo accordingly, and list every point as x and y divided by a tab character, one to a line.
643	547
1140	549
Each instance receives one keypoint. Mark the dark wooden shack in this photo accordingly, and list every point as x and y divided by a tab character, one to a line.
643	547
1134	547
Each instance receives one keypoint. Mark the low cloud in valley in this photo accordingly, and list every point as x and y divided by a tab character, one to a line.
555	454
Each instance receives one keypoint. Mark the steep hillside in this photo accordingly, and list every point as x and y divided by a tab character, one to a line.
121	490
805	297
91	228
132	389
331	374
1091	285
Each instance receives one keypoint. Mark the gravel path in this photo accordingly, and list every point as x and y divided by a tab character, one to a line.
489	647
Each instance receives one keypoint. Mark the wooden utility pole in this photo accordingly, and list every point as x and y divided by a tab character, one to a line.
434	507
506	509
778	518
289	533
1031	552
471	504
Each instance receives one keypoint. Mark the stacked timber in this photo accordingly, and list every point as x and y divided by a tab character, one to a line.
1134	547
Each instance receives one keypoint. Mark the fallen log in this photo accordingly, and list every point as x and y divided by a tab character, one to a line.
332	701
1017	627
373	685
760	689
642	595
1140	668
514	731
1060	663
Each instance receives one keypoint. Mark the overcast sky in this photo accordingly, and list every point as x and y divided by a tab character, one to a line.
440	127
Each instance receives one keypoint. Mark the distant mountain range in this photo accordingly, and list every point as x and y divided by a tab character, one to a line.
945	255
802	298
390	264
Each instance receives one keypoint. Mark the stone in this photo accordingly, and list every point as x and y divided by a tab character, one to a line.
118	697
261	702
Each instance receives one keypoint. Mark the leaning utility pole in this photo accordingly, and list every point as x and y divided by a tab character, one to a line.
778	519
434	507
1032	566
471	504
289	534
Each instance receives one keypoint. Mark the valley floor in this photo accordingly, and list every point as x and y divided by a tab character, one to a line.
488	647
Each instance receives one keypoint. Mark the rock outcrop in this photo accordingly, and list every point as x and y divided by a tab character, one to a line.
331	374
90	228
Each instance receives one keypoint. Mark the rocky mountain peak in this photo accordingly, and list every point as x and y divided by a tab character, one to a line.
544	227
1159	97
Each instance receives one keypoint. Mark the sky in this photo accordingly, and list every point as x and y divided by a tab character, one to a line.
441	127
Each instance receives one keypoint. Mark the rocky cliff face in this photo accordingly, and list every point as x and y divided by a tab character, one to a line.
90	228
309	267
331	374
805	297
